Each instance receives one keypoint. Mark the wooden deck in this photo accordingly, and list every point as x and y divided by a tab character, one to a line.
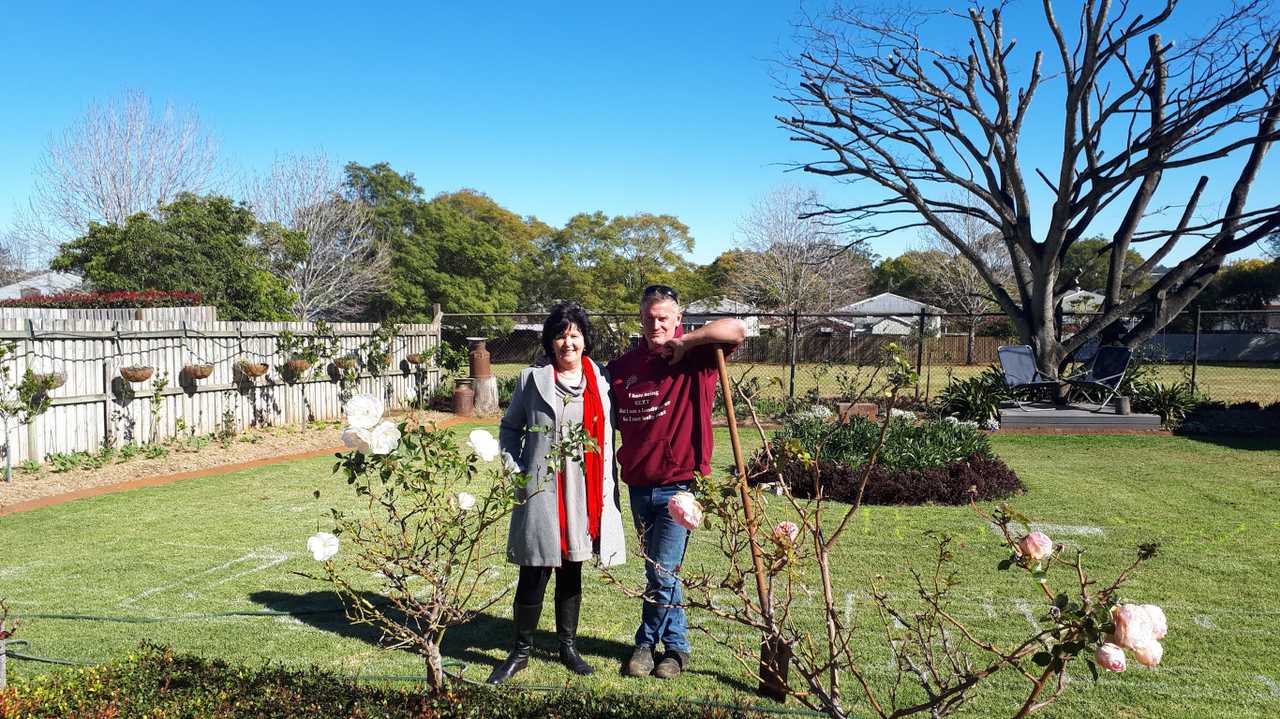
1074	418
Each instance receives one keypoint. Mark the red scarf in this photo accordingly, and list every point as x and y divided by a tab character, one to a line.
593	462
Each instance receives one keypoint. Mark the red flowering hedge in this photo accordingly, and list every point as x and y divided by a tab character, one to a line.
108	300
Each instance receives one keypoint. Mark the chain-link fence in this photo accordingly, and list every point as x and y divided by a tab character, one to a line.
1229	356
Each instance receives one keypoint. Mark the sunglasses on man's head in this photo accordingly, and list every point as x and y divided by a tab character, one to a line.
661	291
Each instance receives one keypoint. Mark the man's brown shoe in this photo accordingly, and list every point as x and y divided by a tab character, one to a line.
641	662
673	662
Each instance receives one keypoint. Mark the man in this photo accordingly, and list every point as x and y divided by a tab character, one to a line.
664	392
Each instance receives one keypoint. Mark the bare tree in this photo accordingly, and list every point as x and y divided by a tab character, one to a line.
957	284
320	240
912	124
794	262
123	156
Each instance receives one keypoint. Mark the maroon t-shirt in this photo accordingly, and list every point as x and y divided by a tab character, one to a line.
664	414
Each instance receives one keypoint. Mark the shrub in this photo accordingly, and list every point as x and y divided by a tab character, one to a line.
908	445
1173	401
929	461
155	682
976	476
975	399
108	300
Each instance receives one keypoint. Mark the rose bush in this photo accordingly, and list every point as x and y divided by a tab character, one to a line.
419	534
937	661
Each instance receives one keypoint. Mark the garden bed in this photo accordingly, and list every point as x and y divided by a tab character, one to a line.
254	445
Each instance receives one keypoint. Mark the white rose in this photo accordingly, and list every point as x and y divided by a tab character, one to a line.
357	439
383	438
466	501
895	412
322	546
485	446
364	411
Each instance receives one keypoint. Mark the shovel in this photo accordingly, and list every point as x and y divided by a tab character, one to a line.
775	656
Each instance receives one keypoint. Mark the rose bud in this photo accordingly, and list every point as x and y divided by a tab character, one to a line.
1036	545
1110	657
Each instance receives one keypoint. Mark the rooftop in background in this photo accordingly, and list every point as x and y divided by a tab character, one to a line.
44	283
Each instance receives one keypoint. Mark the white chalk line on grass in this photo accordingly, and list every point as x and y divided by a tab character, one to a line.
1270	684
19	569
268	558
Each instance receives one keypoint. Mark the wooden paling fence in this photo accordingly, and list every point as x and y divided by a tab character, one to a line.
96	406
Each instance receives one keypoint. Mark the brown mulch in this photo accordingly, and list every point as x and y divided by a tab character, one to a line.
252	448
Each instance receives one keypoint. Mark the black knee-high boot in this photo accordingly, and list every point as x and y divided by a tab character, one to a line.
526	621
567	609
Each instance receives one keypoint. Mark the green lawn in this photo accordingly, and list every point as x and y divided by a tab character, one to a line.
1228	383
196	552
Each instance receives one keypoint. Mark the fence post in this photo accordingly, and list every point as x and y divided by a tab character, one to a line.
1195	351
795	331
920	353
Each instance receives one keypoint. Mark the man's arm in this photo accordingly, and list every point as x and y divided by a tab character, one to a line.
726	331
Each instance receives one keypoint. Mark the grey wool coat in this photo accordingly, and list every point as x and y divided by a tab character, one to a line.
534	537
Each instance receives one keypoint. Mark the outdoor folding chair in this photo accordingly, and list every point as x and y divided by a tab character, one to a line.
1103	373
1018	366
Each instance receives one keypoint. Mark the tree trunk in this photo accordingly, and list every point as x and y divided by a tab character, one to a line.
435	668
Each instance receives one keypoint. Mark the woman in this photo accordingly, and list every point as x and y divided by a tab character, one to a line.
570	511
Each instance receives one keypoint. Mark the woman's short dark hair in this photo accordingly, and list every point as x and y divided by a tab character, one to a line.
563	315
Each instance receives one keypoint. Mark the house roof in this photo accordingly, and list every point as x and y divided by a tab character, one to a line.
46	283
887	303
719	306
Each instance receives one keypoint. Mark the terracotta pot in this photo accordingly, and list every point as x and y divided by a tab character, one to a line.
197	371
134	373
297	365
252	369
414	358
345	362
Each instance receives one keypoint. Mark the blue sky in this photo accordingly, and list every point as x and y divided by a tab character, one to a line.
550	108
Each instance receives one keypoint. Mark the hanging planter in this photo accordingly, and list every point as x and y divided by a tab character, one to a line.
197	371
297	365
414	358
347	362
252	369
137	373
52	380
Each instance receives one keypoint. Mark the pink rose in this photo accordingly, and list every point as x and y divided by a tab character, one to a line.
685	510
785	533
1159	627
1036	545
1110	657
1149	653
1133	626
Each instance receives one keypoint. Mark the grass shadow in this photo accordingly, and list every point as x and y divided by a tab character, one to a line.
1250	443
483	641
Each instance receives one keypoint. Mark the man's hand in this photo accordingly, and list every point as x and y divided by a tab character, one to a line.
674	349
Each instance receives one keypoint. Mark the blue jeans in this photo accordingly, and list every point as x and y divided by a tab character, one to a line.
663	543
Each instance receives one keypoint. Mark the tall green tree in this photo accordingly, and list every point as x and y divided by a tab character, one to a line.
1089	262
910	274
458	250
604	263
194	244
